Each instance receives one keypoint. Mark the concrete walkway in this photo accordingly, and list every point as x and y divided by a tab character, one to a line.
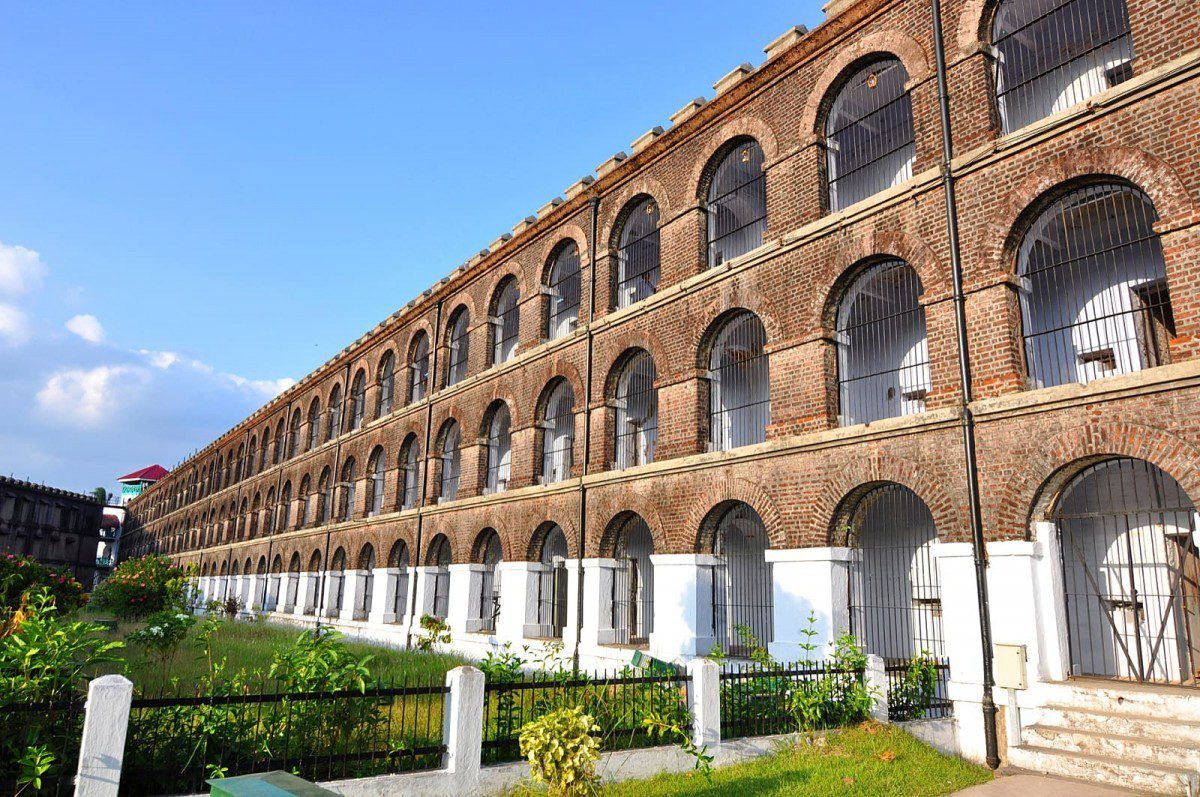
1025	784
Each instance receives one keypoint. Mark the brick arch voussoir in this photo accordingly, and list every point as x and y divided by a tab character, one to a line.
605	509
566	232
926	483
904	47
970	24
720	491
558	367
732	297
738	127
616	204
625	341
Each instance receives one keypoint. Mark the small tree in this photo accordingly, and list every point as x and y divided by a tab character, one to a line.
141	587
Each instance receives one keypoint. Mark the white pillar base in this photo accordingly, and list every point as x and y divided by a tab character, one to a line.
809	583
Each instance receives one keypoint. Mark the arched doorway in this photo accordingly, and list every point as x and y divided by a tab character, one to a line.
742	590
632	604
1131	573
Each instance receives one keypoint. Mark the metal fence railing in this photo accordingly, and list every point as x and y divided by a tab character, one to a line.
617	702
917	689
759	700
56	726
175	742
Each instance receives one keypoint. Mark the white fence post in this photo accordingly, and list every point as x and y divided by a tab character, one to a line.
877	683
704	699
462	719
105	721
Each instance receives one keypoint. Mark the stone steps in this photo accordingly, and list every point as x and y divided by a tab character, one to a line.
1127	699
1107	770
1165	728
1143	749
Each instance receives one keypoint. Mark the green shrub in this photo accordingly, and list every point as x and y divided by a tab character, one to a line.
562	752
912	693
436	632
19	575
140	587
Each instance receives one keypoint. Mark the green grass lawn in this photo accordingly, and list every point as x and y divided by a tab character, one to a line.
250	645
865	760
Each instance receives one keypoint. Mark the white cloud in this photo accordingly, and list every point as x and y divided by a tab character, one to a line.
267	388
85	398
87	327
14	326
21	269
161	359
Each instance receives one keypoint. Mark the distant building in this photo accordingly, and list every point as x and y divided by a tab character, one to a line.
110	540
56	527
132	484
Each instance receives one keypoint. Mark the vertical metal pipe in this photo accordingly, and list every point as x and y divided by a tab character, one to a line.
964	375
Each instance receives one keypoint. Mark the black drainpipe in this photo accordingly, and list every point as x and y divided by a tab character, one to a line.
964	375
581	534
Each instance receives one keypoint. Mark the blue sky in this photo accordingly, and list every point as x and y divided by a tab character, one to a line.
202	201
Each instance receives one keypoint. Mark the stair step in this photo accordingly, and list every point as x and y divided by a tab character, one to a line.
1140	776
1146	700
1161	727
1147	749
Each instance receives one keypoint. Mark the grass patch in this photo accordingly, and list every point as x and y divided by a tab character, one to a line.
867	759
251	645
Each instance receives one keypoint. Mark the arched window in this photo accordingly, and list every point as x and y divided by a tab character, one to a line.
251	457
1052	54
410	473
635	405
337	581
269	517
737	203
883	351
358	399
241	520
335	413
302	516
485	606
418	368
376	467
638	253
632	607
262	452
293	441
739	384
366	569
457	345
349	487
325	496
293	582
387	384
499	449
557	427
742	589
285	506
869	141
314	424
278	456
398	563
451	461
1094	299
505	320
562	285
552	583
237	463
438	561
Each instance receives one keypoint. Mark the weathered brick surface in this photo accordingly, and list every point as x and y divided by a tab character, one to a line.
799	481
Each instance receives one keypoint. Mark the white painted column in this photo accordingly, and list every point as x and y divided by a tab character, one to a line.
253	596
463	727
426	592
518	601
1053	662
356	582
464	589
102	748
274	583
329	599
809	582
306	596
683	620
597	602
286	603
876	678
383	596
960	630
704	703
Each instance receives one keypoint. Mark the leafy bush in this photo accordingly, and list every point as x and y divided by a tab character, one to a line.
19	575
562	752
140	587
838	698
232	606
162	634
913	692
436	632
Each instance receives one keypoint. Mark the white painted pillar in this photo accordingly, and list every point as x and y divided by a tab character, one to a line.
1054	655
274	582
876	677
306	594
809	582
683	620
464	598
960	630
463	727
383	596
704	703
519	601
597	603
253	595
356	582
102	748
426	592
332	582
287	601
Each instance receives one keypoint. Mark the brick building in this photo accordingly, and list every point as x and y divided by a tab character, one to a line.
718	384
57	528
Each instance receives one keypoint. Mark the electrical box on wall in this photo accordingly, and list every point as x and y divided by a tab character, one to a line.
1008	667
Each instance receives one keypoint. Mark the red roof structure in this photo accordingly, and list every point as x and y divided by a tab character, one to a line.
150	474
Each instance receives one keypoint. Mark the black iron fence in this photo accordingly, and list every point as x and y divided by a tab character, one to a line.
56	729
916	689
175	742
759	700
618	702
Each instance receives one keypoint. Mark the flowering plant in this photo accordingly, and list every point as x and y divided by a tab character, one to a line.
141	587
20	575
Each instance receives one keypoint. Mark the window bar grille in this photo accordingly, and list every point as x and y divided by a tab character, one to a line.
451	464
387	384
499	450
737	204
742	586
563	286
869	141
632	610
552	584
558	434
506	323
419	370
638	254
1094	296
410	475
487	607
739	385
459	347
636	412
883	350
1053	54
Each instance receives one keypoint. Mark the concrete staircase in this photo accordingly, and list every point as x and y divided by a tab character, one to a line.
1134	736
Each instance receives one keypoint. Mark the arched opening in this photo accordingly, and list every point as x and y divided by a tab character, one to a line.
557	430
505	321
1052	54
485	606
631	613
366	570
376	470
883	348
387	385
1131	573
398	563
418	368
1094	298
552	582
451	464
334	427
736	204
314	424
743	597
635	411
638	253
410	472
498	453
458	341
325	495
563	290
349	488
302	516
869	140
293	582
336	578
739	383
358	400
437	563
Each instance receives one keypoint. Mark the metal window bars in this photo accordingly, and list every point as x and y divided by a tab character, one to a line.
558	433
410	465
486	604
635	414
458	346
552	585
499	450
335	413
1093	288
398	561
418	369
869	141
438	570
638	254
366	569
736	208
506	322
387	384
743	613
1131	574
358	400
883	349
631	614
451	463
1053	54
314	424
563	286
739	384
378	471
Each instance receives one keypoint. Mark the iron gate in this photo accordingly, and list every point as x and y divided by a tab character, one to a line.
1131	574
